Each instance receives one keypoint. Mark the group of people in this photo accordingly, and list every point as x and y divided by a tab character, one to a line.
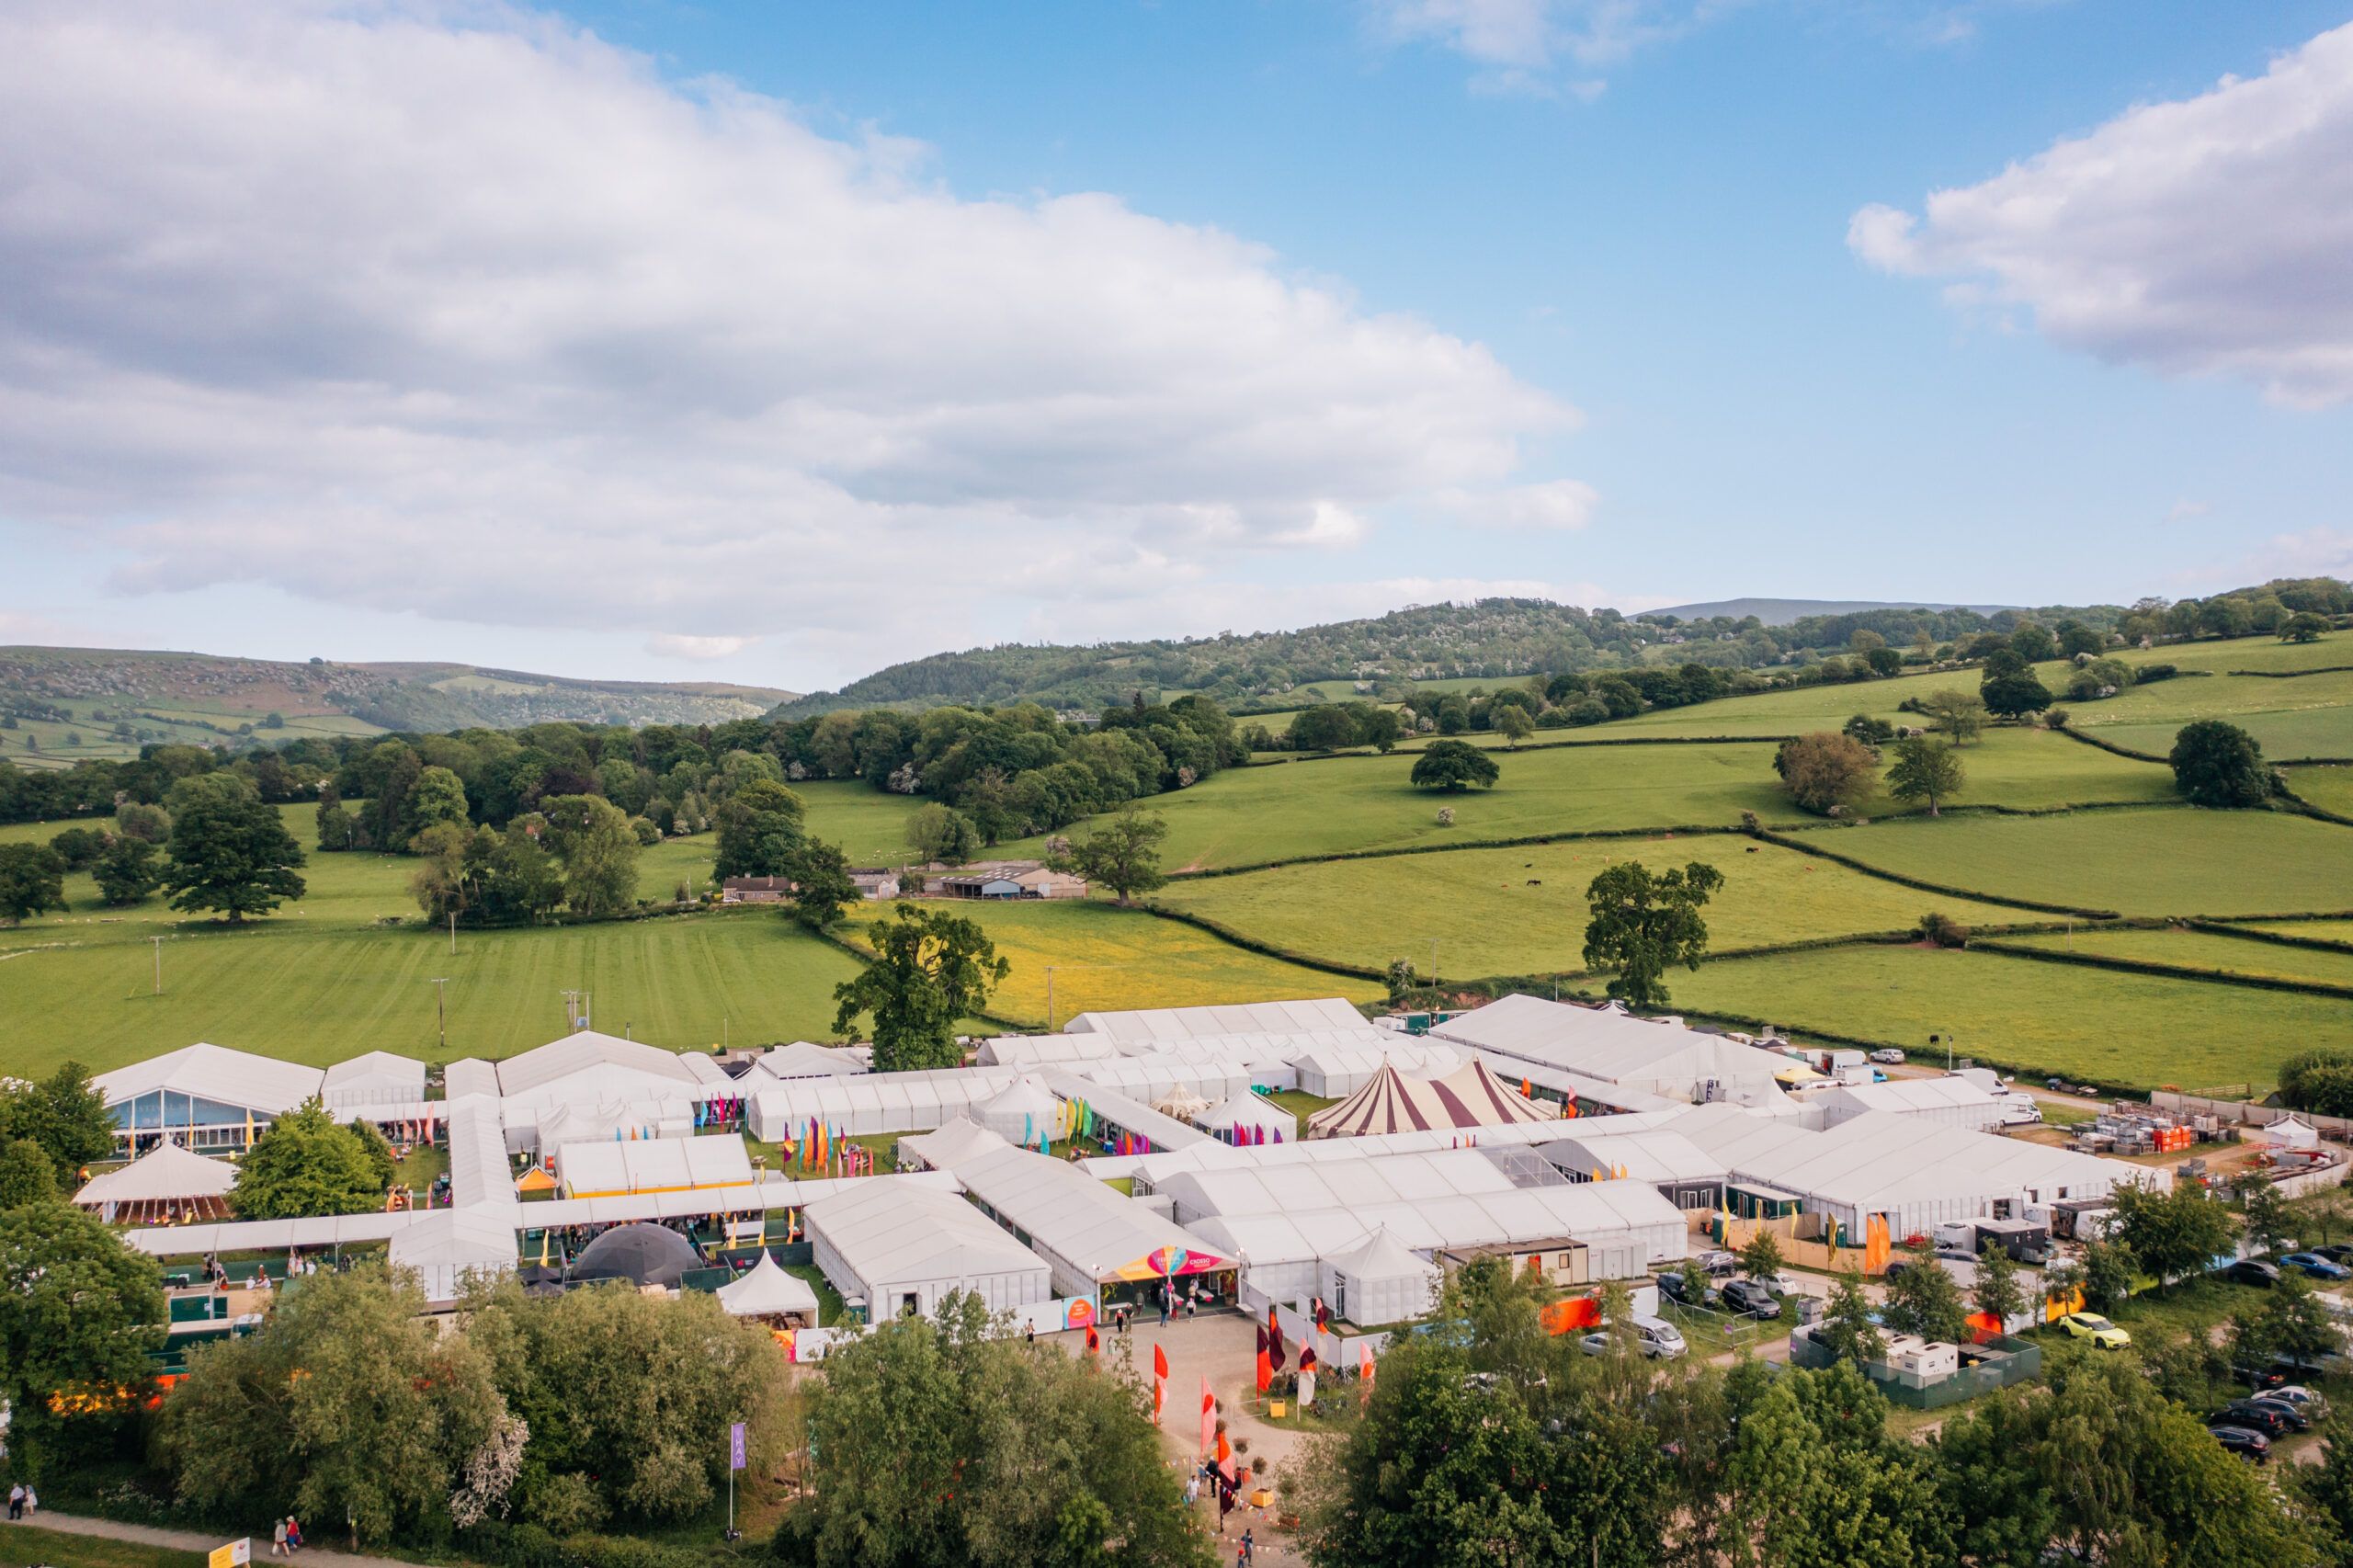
22	1503
1227	1490
285	1538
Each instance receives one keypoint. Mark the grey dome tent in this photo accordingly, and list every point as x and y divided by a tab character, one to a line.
642	1254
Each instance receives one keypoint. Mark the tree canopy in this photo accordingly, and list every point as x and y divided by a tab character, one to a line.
230	852
1123	853
931	967
1826	772
1640	922
79	1311
1925	770
1453	766
303	1163
62	1116
32	880
2215	763
761	830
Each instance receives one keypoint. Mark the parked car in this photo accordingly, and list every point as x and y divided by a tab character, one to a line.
2103	1333
1662	1341
1749	1298
2250	1271
2312	1404
1674	1289
2299	1419
1888	1055
1783	1284
1719	1265
2266	1376
1956	1255
2243	1441
2319	1267
2271	1420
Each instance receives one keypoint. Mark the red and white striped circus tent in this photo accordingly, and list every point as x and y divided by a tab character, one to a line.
1470	1095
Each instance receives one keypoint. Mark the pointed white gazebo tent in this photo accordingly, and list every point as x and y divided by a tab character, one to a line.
1381	1282
1247	1119
166	1183
766	1291
1022	1112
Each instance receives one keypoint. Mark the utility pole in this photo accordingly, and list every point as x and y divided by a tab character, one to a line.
441	1009
576	1010
1050	998
453	933
159	966
1433	963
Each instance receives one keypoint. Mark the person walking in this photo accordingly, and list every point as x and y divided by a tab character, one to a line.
293	1535
1164	1306
1249	1547
33	1503
1192	1488
278	1539
17	1500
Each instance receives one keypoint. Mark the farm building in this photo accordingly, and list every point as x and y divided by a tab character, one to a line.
168	1183
874	881
1946	1102
756	890
1612	1048
1684	1173
766	1293
898	1248
447	1246
204	1097
1099	1245
1239	1019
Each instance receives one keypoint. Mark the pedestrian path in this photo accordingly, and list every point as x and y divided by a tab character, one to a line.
194	1541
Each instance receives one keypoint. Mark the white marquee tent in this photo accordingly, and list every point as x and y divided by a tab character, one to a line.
166	1181
765	1291
876	1102
1379	1282
447	1245
1022	1112
1246	1118
1249	1018
653	1164
891	1244
373	1078
1946	1102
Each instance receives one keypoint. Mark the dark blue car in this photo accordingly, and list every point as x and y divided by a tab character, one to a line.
2319	1267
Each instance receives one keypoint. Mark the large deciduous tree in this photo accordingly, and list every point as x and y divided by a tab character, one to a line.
822	888
1123	853
1923	1300
32	880
348	1409
761	828
2175	1233
63	1115
1825	771
79	1311
942	834
1453	766
1961	715
436	798
2217	764
930	969
230	851
128	870
1640	922
598	849
301	1165
2014	696
1925	770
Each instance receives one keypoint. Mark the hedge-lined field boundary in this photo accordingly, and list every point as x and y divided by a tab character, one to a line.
1250	944
2074	734
1900	880
1259	759
2168	972
1524	841
2278	939
2293	675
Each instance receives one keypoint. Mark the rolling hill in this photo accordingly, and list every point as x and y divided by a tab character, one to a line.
64	705
1783	612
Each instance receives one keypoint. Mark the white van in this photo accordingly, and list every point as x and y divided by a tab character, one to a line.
1660	1340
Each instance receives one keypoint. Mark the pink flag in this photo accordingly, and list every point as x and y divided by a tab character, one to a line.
1209	1414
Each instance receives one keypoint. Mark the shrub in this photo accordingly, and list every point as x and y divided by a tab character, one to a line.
1943	930
2148	673
2056	719
2218	764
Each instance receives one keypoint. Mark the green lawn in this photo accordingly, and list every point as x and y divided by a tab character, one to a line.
2172	861
1523	911
1105	958
868	824
2202	950
315	996
30	1544
2080	1023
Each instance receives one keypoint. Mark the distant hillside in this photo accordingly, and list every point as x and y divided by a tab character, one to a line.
1782	612
1490	640
61	705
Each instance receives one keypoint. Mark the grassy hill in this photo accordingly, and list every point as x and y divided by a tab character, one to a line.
70	704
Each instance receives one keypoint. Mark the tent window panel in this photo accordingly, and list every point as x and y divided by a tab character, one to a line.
212	1113
174	1108
123	1113
148	1109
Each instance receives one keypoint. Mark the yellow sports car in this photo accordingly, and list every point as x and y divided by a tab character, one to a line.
2096	1328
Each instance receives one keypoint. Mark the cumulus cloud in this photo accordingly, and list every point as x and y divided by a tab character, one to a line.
1557	504
2203	237
683	645
469	313
1519	40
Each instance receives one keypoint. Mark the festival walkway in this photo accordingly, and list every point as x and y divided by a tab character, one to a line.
193	1541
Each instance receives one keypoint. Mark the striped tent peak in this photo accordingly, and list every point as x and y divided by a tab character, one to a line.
1480	1098
1388	1102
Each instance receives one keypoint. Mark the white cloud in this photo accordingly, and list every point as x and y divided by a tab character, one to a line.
1517	38
483	320
1558	504
2187	508
2204	237
680	645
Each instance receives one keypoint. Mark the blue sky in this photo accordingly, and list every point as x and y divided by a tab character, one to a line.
632	379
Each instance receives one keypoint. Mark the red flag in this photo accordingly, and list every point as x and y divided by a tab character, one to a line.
1364	1366
1275	1337
1159	1362
1094	1341
1159	1393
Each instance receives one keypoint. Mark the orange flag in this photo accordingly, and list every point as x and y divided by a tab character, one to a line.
1159	1362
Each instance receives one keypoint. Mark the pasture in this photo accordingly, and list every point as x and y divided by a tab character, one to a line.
2173	860
2204	950
2129	1029
2330	788
1106	957
1523	911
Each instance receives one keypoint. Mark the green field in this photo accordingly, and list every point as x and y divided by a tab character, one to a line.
58	1549
2285	736
1489	917
870	825
2310	930
2073	1021
2330	788
2176	860
1105	958
2204	950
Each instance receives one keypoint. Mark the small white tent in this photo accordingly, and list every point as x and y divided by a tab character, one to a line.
1379	1282
1022	1112
765	1291
165	1182
1247	1119
445	1246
